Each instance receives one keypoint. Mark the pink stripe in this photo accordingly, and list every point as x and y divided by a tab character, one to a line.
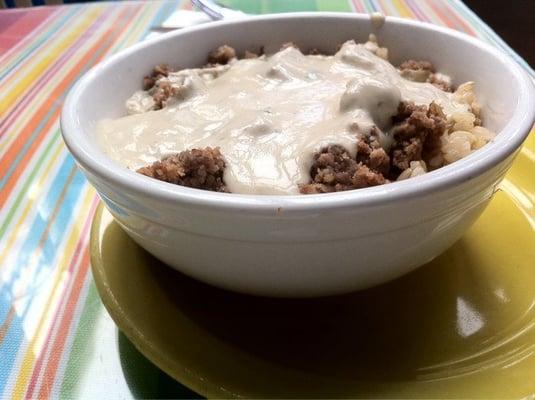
15	26
414	8
18	47
358	6
45	78
459	22
56	319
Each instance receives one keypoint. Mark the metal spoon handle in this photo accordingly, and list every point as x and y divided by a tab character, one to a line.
215	11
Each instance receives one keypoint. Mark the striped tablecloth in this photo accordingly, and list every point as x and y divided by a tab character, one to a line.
56	339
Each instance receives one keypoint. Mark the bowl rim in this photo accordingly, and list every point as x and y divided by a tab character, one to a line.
509	139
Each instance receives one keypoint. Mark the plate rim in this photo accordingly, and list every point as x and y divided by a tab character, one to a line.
125	325
175	368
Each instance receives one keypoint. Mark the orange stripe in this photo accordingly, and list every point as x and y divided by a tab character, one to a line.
20	79
32	125
28	85
7	323
443	16
9	318
448	11
73	261
63	331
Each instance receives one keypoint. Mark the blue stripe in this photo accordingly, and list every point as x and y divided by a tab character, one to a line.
56	233
39	224
44	38
27	145
57	104
165	10
15	335
46	262
7	352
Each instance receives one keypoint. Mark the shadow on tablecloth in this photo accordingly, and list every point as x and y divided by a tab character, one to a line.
145	380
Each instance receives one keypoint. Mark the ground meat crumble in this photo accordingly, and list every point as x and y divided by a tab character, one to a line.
159	88
424	71
417	65
438	81
158	72
335	170
221	55
197	168
416	132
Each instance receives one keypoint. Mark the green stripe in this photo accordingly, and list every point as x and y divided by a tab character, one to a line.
84	336
279	6
290	6
42	38
333	5
80	346
23	192
93	306
247	6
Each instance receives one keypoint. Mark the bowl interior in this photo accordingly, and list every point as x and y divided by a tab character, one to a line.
497	86
501	84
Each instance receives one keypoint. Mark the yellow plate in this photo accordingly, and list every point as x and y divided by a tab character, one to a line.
461	326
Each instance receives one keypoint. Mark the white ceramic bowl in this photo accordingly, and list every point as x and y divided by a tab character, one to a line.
302	245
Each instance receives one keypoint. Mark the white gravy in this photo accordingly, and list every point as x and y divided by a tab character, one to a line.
377	19
269	115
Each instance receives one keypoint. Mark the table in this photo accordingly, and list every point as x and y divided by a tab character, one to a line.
56	338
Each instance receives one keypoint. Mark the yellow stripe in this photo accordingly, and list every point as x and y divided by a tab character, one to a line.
385	8
36	69
133	37
36	102
32	200
402	9
27	365
26	368
43	55
41	96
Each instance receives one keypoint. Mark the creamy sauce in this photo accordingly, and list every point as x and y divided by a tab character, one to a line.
377	19
269	115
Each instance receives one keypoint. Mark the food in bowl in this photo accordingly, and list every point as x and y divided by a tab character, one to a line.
303	245
290	123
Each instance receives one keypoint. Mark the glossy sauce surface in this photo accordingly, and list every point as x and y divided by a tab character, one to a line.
269	115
